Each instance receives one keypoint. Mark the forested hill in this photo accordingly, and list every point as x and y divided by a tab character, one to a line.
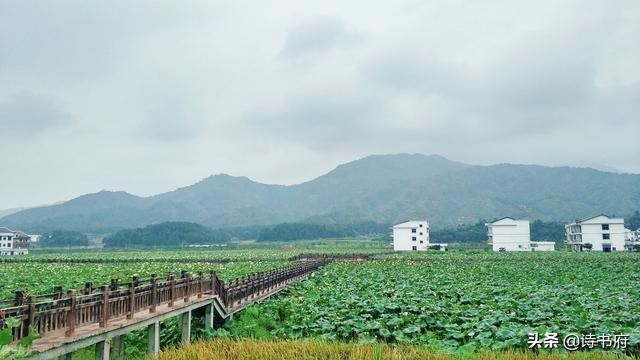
381	188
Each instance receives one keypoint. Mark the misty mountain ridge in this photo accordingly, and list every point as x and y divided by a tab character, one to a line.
382	188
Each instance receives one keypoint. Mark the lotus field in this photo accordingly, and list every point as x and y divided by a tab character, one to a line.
448	303
39	278
457	302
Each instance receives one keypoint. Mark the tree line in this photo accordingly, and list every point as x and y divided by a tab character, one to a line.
302	231
167	234
175	234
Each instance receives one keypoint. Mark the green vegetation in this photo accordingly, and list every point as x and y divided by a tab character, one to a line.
455	302
633	222
38	278
299	231
9	350
540	231
167	234
64	238
448	305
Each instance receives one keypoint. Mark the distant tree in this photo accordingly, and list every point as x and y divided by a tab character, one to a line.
434	247
64	238
473	233
302	231
167	234
633	222
549	231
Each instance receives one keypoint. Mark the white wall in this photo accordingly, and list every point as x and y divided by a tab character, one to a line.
591	232
403	236
509	235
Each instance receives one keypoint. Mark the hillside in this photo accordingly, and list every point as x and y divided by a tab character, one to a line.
382	188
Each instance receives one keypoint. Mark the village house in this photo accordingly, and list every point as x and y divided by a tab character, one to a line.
413	236
13	242
509	234
632	240
597	233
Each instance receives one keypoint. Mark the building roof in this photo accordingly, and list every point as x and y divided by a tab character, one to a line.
597	216
411	223
4	230
505	221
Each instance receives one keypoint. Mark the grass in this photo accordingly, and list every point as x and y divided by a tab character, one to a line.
319	350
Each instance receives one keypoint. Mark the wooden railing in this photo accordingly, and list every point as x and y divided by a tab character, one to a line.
345	257
70	310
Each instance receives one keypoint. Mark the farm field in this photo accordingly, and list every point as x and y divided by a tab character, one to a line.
250	349
401	305
37	278
455	303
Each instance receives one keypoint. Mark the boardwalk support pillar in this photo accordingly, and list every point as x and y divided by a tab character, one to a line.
154	339
186	327
209	316
102	350
118	347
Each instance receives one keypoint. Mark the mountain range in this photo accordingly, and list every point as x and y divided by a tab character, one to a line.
381	188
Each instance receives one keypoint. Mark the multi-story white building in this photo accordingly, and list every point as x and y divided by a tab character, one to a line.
413	236
598	233
509	234
11	243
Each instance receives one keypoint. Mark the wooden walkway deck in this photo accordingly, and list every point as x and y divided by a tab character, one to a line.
72	322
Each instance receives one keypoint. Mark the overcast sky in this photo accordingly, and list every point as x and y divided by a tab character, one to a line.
148	96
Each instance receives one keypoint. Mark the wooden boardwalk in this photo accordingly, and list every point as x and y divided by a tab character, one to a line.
70	322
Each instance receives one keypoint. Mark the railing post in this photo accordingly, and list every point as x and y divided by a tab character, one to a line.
154	293
132	300
187	288
71	315
106	308
88	288
212	275
57	292
114	285
172	290
32	314
200	284
19	297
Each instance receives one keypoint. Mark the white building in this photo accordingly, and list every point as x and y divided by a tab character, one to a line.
10	244
413	236
508	234
632	240
601	232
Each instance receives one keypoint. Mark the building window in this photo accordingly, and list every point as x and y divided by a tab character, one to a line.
420	234
421	242
414	248
420	225
413	238
605	237
605	227
413	230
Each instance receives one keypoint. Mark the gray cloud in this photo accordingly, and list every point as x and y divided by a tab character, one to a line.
171	122
318	121
26	115
286	91
317	37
